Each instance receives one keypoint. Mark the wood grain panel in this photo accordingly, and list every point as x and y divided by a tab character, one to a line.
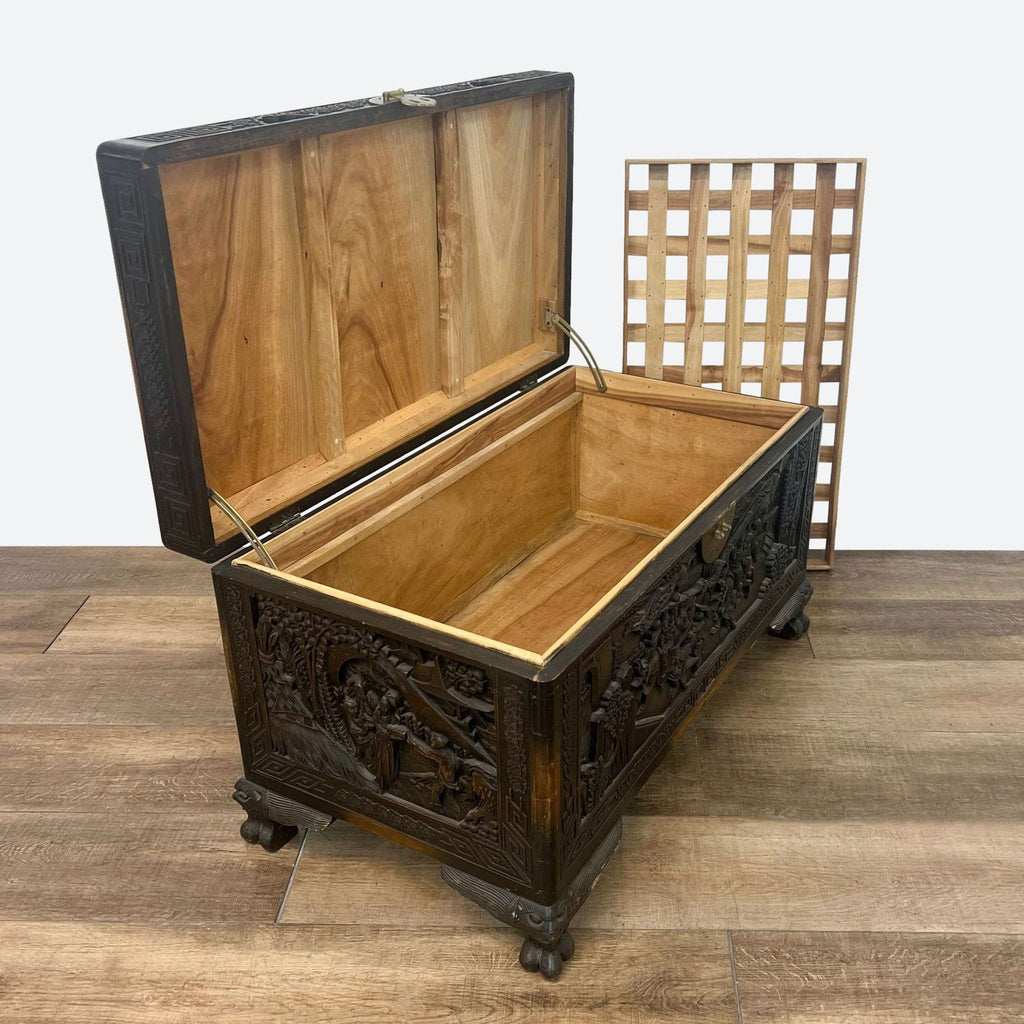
718	245
962	630
819	773
535	603
30	622
317	330
778	275
824	977
325	361
113	624
173	689
448	184
760	199
657	210
738	873
378	439
171	867
114	769
819	285
722	873
549	163
364	527
244	315
717	405
324	526
653	465
696	263
768	692
930	575
420	561
736	283
380	195
101	570
360	974
496	157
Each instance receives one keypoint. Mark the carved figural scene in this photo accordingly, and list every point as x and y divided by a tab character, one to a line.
488	586
383	718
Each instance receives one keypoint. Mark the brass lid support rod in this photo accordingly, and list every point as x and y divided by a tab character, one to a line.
246	530
553	319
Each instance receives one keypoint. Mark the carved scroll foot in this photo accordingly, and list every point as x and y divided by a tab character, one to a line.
547	943
790	621
269	834
273	820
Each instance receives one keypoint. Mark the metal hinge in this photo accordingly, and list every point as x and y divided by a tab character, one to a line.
553	320
246	530
282	523
407	99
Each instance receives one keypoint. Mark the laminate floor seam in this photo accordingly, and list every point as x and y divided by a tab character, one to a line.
732	973
66	624
291	876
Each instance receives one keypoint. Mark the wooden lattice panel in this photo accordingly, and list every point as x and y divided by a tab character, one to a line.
741	275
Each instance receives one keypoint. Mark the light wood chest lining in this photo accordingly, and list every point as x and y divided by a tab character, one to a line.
519	532
343	293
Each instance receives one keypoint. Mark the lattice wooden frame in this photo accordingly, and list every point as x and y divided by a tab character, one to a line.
696	339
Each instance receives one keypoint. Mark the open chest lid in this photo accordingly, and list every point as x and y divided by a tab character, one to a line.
311	295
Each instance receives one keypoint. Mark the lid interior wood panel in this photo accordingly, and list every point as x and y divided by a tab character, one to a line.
344	293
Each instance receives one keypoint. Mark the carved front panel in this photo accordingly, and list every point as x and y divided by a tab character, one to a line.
394	732
624	700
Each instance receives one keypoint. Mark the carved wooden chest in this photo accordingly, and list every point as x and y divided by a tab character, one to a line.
468	593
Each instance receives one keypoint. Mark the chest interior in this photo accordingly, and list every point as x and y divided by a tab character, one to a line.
520	528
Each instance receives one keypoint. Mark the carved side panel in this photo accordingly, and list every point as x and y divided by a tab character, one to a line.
400	734
641	682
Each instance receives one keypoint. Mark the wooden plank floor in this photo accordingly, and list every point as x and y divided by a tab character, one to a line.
837	839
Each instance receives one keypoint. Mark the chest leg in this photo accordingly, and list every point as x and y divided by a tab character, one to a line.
791	622
273	820
547	943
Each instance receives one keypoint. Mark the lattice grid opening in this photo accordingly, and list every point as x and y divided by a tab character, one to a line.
741	275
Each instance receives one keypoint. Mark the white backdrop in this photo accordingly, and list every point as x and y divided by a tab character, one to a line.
929	93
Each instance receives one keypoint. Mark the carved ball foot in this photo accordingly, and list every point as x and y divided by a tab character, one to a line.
548	960
269	834
796	627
